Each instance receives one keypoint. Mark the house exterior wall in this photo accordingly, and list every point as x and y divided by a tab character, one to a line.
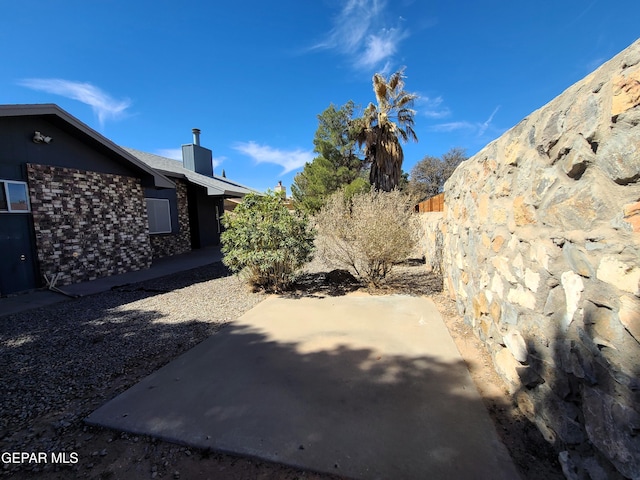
67	149
204	212
178	241
87	224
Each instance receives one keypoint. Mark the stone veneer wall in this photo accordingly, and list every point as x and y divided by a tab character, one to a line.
164	245
431	239
88	224
542	254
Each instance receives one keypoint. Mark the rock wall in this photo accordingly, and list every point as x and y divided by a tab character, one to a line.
431	239
542	254
87	224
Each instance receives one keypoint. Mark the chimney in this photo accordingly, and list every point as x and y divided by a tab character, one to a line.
196	158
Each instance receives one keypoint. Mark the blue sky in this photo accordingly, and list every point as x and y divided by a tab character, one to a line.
254	75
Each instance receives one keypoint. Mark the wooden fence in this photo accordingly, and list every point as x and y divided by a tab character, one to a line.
433	204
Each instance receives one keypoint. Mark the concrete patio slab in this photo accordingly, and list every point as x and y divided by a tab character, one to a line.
361	386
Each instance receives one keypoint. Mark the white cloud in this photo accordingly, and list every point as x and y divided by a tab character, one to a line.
289	160
173	153
479	128
486	124
360	32
379	47
432	107
176	154
104	106
452	126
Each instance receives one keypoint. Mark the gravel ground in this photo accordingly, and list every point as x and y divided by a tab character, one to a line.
59	363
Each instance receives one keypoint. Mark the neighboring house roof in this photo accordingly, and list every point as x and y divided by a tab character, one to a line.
174	168
68	122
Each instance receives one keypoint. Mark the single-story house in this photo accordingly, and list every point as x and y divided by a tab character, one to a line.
74	206
199	199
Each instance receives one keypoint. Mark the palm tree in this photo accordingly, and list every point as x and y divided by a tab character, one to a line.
382	127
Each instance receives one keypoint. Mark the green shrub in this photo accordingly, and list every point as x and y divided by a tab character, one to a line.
266	242
367	233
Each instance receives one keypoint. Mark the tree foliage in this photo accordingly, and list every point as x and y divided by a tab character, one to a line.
383	127
429	175
368	233
337	164
266	241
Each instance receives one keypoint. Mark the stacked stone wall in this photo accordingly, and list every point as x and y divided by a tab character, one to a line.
175	243
431	240
542	255
87	224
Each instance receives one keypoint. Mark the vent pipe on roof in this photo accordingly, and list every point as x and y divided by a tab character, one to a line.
196	136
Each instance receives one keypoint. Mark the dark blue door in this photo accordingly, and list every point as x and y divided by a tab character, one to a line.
17	258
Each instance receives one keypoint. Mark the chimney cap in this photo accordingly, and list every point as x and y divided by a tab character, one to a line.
196	135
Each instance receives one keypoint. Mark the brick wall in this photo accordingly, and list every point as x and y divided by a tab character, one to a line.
88	224
164	245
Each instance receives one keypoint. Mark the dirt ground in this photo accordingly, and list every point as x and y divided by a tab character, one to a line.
105	454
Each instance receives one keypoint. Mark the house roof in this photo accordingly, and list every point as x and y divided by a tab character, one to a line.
66	121
218	186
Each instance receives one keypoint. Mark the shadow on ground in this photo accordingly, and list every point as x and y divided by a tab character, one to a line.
381	395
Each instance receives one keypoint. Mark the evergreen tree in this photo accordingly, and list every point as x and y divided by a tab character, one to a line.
337	164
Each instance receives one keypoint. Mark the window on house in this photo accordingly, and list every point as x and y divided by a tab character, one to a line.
14	197
159	215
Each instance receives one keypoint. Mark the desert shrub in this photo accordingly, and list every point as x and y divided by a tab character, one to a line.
266	242
367	233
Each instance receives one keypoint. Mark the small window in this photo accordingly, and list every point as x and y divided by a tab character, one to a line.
14	197
159	215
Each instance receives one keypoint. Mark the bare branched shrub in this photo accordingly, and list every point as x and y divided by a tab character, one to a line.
368	233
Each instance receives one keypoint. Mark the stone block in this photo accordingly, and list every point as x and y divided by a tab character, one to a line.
509	314
626	91
515	343
607	426
573	286
497	243
602	326
499	216
503	267
531	280
620	273
479	304
631	215
577	260
483	208
495	310
523	297
619	157
577	158
507	367
497	286
580	206
523	214
542	251
629	315
556	301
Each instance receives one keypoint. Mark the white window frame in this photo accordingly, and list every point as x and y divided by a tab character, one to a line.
161	206
5	187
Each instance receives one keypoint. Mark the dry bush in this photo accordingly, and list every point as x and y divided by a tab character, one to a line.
368	233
